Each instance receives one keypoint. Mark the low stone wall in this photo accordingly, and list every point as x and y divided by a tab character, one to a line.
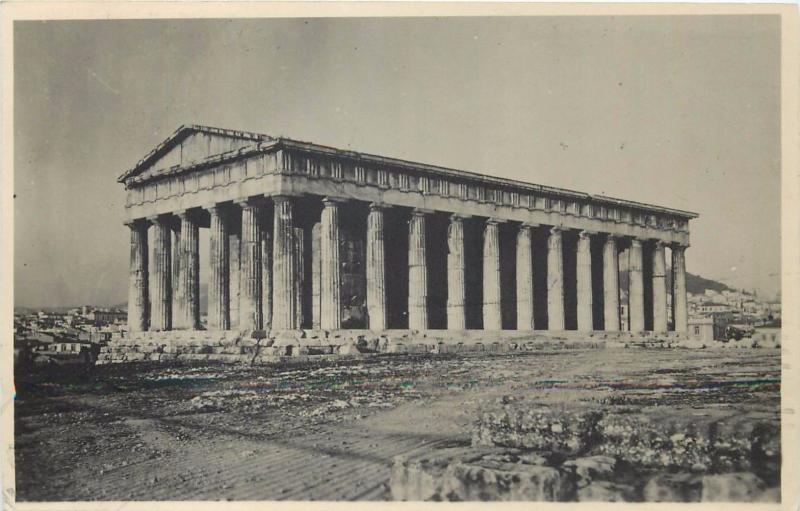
523	450
261	347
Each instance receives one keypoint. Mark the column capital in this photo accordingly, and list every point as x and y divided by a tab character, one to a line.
333	201
636	241
555	229
282	198
421	212
610	236
158	219
250	202
378	206
680	247
137	223
459	217
494	221
529	225
586	234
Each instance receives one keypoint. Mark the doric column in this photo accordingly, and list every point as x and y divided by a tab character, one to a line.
300	275
555	281
492	315
161	300
635	287
679	310
376	269
584	282
218	287
524	278
137	290
266	276
250	266
283	271
659	288
189	273
417	273
234	251
178	305
456	292
330	267
611	284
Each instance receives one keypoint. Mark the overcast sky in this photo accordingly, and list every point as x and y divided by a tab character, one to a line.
677	111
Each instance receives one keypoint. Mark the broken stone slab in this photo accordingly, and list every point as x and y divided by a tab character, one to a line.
469	473
735	487
538	427
589	468
606	491
674	487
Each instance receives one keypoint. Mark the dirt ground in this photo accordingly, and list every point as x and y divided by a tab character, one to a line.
321	432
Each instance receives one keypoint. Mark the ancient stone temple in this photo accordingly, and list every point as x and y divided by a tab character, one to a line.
308	237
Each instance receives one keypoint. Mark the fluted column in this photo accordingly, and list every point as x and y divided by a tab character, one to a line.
189	273
456	292
555	280
250	266
376	269
137	290
178	306
679	306
635	287
331	281
524	278
218	287
300	275
659	288
161	300
283	261
417	273
266	276
611	285
492	315
584	282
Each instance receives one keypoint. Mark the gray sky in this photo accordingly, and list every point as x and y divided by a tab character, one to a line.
676	111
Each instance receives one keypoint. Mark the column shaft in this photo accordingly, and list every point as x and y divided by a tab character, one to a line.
250	300
218	286
555	281
190	273
456	292
524	278
137	291
492	315
331	281
178	308
635	287
234	265
300	277
417	273
376	269
584	282
679	306
284	311
161	310
266	276
659	288
611	285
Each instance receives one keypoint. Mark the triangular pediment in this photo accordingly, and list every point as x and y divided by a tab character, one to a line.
189	145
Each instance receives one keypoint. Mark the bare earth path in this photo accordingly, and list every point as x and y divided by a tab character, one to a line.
142	432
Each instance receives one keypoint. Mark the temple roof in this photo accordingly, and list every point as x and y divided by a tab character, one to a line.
243	143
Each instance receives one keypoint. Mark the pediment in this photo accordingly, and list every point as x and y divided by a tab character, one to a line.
190	145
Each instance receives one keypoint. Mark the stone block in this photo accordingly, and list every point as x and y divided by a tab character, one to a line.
538	427
606	491
735	487
592	467
674	487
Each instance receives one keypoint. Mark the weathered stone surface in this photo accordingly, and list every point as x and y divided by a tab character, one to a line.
466	473
592	467
540	428
743	486
605	491
678	487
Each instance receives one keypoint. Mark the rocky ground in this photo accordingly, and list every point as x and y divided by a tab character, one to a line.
351	430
